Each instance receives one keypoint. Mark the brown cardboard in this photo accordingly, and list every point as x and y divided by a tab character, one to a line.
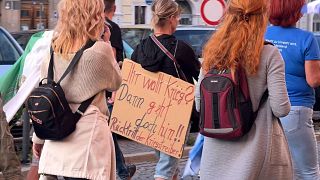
153	109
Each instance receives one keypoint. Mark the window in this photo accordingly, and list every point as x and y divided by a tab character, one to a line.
23	38
16	5
133	36
316	23
140	15
186	19
38	14
8	52
25	13
195	38
186	12
316	27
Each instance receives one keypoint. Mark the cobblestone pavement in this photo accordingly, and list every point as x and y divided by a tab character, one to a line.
145	170
129	147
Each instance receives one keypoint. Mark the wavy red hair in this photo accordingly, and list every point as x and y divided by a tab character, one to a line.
240	37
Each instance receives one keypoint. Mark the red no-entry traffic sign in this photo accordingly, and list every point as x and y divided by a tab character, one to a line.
212	11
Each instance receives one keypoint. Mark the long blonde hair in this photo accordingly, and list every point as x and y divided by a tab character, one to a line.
79	20
240	37
162	10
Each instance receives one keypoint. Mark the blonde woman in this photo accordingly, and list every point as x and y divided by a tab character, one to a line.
263	152
87	153
165	19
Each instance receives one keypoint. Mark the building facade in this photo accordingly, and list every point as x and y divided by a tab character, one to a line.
130	12
310	22
10	15
19	15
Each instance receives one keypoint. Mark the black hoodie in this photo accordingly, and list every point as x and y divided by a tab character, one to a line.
151	58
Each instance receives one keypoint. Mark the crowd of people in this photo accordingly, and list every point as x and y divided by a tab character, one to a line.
281	144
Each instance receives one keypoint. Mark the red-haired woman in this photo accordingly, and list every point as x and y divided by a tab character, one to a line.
262	153
300	52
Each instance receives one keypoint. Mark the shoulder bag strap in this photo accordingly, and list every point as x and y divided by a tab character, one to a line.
165	50
266	92
262	101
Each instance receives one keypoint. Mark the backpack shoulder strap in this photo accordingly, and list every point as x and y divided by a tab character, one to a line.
72	64
85	104
268	43
76	58
83	107
215	71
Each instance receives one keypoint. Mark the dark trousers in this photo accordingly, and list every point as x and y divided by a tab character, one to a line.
121	167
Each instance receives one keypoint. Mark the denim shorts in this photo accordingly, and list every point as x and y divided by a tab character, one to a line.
298	127
167	166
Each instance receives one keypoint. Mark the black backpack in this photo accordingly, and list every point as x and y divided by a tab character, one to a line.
48	107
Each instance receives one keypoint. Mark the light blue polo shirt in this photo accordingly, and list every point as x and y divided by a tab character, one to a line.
296	46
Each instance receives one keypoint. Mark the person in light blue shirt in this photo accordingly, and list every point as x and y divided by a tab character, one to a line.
300	52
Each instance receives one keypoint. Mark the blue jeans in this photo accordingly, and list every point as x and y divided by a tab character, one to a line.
298	127
121	167
167	166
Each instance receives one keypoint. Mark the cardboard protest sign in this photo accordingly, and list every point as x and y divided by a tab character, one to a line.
153	109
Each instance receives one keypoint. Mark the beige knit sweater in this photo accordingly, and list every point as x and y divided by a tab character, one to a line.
96	72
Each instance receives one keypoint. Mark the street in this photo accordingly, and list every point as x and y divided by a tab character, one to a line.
151	60
145	171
